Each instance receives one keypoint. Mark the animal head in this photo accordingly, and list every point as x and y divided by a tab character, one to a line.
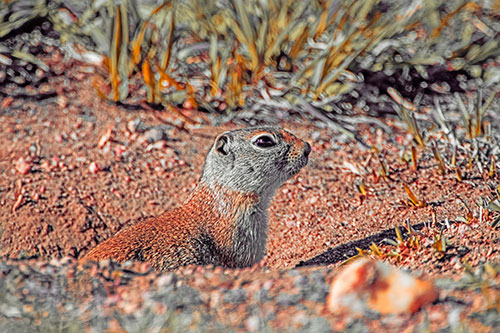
254	160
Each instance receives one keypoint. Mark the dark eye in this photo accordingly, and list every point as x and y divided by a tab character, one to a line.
264	141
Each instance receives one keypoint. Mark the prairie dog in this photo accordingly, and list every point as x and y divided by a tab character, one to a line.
224	221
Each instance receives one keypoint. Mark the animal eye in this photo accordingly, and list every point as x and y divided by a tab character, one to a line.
264	141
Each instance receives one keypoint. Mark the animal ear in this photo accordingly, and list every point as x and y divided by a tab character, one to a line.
222	145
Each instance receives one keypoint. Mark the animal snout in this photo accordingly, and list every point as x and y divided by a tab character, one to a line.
307	149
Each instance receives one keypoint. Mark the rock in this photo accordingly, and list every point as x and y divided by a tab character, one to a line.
94	168
152	135
105	137
253	323
22	166
369	285
136	126
62	101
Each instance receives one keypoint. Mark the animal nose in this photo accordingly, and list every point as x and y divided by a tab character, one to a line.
307	149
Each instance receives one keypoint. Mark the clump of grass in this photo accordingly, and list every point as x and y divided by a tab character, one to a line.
415	243
492	205
279	54
463	144
396	250
295	48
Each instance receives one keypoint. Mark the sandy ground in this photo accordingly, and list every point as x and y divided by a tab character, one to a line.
75	170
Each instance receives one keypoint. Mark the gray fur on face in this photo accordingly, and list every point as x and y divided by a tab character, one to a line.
243	166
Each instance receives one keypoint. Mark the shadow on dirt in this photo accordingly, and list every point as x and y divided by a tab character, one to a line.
348	250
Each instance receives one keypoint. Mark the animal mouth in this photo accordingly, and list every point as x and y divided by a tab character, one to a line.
303	161
294	163
298	165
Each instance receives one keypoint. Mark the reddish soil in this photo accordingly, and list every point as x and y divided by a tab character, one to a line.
64	204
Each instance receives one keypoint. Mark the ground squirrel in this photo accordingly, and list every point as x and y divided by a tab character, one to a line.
224	221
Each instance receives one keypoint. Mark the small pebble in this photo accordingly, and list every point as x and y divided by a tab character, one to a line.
94	168
153	135
22	166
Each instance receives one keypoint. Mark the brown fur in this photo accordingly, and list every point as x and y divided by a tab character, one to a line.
210	228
